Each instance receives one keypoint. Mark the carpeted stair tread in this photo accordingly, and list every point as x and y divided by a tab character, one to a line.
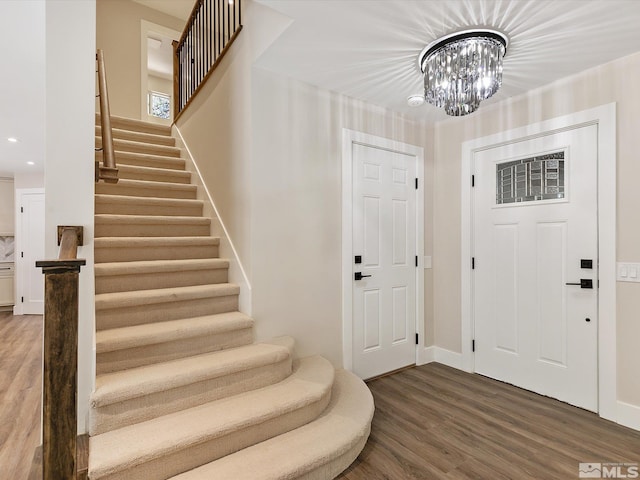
122	249
137	382
323	448
136	136
132	205
153	174
133	242
154	333
145	188
141	147
136	298
178	442
149	274
159	266
107	225
136	125
146	160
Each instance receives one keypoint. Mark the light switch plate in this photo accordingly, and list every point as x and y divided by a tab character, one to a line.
628	272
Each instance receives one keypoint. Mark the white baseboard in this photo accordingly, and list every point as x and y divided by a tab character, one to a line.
439	355
629	415
426	355
449	358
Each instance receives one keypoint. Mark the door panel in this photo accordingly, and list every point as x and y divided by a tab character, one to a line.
384	300
535	218
32	250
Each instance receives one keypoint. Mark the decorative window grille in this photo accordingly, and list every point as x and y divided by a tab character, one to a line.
531	179
159	105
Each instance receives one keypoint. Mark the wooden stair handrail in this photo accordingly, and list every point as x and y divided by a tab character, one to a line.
60	355
108	170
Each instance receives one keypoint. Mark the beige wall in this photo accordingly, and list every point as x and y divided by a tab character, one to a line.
118	34
296	205
614	82
269	149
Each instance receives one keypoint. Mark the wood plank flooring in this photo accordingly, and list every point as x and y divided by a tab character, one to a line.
434	422
20	392
431	422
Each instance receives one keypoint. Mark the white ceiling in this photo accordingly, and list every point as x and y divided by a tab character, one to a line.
22	86
368	49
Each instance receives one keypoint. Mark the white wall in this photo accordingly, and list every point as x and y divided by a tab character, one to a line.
69	162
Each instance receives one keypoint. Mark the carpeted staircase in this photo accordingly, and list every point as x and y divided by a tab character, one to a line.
182	392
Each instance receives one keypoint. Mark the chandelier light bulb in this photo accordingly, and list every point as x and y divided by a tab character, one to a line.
462	69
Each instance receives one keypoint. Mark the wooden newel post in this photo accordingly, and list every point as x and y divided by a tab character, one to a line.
60	376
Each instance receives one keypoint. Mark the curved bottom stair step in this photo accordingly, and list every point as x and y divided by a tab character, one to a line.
319	450
179	442
141	394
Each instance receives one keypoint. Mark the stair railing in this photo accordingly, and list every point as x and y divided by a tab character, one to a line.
211	29
60	355
106	171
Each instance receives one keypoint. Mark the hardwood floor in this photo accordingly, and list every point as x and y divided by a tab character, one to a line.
20	392
431	422
435	422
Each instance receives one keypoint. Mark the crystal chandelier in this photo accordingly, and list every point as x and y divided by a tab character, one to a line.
462	69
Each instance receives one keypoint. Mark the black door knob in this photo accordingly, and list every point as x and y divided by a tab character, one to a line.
360	276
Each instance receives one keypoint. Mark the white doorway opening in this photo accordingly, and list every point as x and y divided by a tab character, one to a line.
382	252
156	72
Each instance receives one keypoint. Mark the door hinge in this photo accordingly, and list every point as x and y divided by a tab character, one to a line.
473	263
21	209
473	345
416	183
21	299
416	260
21	254
416	339
473	180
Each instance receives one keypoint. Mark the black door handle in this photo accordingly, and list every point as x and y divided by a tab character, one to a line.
584	283
360	276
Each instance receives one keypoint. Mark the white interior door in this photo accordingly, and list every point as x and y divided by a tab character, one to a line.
384	237
535	232
30	250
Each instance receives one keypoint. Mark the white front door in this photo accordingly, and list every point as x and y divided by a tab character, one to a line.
384	239
31	249
535	238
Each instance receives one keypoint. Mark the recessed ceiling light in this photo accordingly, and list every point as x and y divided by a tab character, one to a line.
12	139
415	100
30	163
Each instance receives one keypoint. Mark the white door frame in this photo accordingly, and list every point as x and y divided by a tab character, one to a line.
145	28
350	137
605	118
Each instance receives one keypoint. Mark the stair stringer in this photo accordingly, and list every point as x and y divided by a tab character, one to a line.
237	272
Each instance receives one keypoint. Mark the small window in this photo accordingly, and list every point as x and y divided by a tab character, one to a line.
159	105
531	179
